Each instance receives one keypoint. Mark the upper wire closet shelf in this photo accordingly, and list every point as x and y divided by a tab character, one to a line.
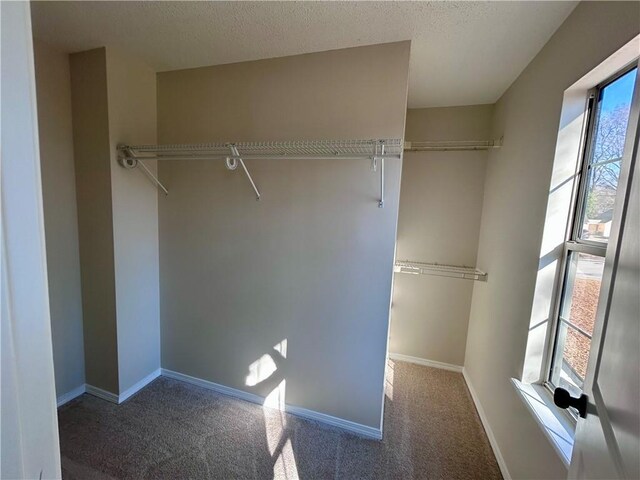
439	269
291	149
452	145
234	154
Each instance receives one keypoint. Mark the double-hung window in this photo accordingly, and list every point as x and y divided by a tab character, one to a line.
586	247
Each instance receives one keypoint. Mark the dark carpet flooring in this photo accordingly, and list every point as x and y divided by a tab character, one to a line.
175	430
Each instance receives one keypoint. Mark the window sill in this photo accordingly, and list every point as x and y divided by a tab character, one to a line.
553	421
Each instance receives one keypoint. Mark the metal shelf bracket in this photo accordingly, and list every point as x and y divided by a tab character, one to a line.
234	161
130	161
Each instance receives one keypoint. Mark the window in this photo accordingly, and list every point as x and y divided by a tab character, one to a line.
585	249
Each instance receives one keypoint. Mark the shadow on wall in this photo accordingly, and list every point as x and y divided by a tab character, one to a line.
267	377
297	449
290	446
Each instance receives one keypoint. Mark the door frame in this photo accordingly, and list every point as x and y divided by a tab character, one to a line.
30	444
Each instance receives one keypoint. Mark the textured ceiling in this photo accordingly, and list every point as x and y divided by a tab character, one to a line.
462	53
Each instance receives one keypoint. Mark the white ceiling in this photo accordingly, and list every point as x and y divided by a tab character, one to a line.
462	53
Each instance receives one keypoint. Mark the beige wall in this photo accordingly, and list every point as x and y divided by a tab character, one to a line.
439	221
132	120
92	155
114	101
315	96
516	191
311	263
60	215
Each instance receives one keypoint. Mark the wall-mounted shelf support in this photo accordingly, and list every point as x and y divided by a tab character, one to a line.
381	202
234	161
129	161
423	268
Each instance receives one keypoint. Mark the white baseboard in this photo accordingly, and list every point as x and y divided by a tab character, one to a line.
67	397
232	392
425	362
139	385
103	394
487	428
359	429
118	399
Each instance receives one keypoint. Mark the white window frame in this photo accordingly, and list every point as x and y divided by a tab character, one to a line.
573	242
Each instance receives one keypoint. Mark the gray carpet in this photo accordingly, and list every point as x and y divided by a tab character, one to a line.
174	430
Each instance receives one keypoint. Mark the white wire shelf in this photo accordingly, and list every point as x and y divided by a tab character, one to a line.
444	146
289	149
439	269
234	154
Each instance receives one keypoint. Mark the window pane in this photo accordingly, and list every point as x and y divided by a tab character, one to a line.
600	197
614	106
582	289
577	317
573	352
